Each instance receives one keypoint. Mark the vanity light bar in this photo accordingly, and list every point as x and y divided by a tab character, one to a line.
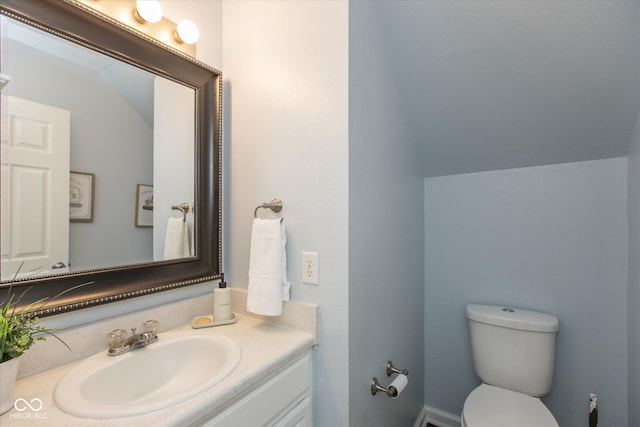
126	12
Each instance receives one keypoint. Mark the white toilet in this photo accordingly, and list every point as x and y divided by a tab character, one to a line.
513	354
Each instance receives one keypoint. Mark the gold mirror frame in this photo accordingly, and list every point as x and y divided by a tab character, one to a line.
80	24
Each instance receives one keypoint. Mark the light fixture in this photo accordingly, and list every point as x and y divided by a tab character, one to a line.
187	32
146	16
147	11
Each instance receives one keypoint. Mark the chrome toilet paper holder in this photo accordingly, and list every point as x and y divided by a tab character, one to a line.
390	391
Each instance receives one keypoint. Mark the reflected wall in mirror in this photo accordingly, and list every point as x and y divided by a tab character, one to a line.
124	125
134	114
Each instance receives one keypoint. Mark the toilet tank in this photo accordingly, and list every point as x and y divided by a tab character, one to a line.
513	348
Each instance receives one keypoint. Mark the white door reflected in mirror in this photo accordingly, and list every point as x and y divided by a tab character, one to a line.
35	187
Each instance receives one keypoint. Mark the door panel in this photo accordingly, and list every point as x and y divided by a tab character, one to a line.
35	186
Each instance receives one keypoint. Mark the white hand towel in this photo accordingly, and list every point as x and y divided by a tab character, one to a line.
268	284
176	241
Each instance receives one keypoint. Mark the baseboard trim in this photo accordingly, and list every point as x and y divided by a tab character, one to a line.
437	417
421	421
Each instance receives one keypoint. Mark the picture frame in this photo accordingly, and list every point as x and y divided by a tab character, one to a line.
144	205
81	196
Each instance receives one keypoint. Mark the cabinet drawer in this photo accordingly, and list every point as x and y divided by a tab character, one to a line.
269	401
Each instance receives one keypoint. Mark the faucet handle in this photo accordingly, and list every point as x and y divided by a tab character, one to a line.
151	326
117	338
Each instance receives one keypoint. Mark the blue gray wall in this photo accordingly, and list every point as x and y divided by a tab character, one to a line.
634	277
386	243
548	238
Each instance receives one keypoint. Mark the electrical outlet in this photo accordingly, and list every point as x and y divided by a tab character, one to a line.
310	268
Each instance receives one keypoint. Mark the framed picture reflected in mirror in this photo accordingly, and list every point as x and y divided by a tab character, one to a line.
81	196
144	205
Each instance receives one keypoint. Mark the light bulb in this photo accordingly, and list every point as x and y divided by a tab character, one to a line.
148	11
188	32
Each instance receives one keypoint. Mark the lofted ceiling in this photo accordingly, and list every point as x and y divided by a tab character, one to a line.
489	85
133	84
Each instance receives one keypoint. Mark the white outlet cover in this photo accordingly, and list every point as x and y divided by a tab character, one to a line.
310	268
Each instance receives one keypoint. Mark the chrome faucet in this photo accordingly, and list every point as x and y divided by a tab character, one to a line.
118	344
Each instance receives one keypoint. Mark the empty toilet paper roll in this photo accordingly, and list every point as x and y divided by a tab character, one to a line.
398	384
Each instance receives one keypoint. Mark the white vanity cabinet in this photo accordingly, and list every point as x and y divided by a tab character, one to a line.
282	401
271	386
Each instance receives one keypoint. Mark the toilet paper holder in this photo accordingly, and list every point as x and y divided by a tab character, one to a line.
392	369
376	387
390	391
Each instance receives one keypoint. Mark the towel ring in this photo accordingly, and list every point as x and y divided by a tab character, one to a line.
275	205
182	207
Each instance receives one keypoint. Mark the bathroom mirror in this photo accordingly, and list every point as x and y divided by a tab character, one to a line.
170	71
130	135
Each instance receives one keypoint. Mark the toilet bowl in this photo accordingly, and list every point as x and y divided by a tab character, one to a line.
489	406
513	354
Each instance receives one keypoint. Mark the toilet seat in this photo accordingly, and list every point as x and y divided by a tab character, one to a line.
489	406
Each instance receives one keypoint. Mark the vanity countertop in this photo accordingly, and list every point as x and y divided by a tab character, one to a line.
266	349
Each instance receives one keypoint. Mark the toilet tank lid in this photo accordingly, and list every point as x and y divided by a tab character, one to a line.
513	318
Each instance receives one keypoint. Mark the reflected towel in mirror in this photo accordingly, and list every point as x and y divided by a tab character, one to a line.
176	241
268	284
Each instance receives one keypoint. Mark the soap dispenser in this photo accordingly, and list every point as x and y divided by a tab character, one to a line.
222	302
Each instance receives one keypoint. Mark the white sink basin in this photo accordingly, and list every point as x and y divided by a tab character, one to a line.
177	367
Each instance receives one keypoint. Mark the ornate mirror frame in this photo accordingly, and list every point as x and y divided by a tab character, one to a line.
77	23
